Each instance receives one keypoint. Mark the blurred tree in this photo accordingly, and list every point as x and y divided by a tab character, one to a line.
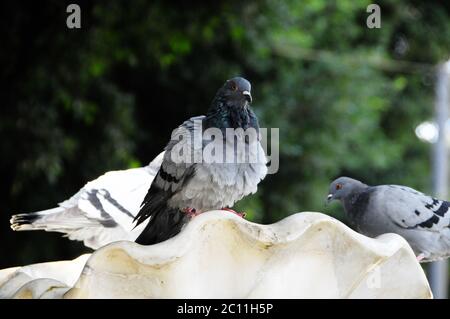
80	102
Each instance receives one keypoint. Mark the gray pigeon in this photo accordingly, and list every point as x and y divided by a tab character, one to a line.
374	210
187	187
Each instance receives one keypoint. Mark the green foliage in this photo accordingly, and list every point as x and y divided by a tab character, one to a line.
346	98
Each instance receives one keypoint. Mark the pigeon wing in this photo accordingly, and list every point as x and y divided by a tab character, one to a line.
411	209
177	167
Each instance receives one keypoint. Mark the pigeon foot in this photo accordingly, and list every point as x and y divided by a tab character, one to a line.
420	257
191	212
234	212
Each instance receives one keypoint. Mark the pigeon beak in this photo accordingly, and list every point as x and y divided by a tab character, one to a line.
329	199
248	96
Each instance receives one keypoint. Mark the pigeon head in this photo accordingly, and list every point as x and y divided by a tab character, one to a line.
343	187
236	91
230	107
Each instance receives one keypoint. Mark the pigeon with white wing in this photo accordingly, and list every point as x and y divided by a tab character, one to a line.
422	220
101	212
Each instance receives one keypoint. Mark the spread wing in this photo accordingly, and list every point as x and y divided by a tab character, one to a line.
101	212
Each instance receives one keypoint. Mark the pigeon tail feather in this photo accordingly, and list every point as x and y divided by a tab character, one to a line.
31	221
165	222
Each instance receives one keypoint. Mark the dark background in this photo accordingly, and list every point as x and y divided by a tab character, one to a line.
76	103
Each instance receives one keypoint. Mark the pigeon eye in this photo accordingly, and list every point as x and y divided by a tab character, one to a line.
338	186
233	86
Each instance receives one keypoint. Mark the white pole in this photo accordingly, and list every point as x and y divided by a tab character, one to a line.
438	271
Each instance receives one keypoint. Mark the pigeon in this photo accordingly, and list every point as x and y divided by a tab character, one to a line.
374	210
101	212
187	187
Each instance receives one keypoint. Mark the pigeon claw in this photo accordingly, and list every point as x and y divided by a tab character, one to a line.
420	257
234	212
191	212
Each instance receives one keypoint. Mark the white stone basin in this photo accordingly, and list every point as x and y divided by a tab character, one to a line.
220	255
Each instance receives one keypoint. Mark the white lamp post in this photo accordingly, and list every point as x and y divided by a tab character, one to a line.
438	133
